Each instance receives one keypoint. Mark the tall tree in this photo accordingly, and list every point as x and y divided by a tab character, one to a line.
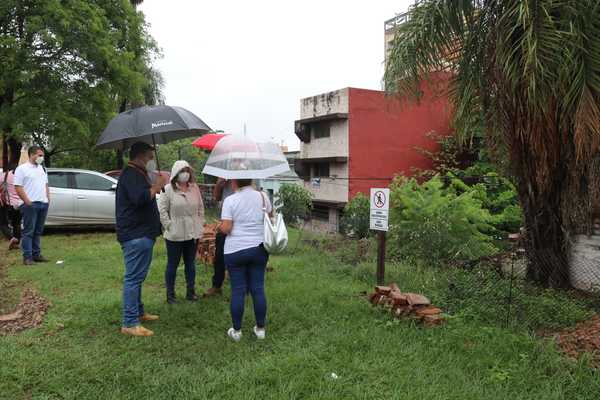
152	91
529	73
58	58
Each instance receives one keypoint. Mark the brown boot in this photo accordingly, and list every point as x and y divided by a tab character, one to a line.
137	330
212	292
149	317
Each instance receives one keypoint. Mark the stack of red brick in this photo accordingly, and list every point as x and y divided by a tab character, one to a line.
206	244
409	305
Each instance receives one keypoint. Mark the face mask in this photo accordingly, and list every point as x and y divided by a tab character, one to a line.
151	166
39	160
183	177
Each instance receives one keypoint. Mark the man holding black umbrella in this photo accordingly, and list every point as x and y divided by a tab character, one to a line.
138	225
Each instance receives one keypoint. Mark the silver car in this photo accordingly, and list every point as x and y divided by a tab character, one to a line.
80	197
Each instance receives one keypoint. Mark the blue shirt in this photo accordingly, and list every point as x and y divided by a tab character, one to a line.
136	211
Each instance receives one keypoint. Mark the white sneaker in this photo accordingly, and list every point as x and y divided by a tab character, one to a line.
260	333
235	335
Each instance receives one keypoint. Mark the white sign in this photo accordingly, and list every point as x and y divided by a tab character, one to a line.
380	209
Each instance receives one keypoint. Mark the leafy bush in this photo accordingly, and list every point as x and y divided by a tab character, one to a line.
471	164
355	220
294	202
438	225
498	195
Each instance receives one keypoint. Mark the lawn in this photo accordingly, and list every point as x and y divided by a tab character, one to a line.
319	325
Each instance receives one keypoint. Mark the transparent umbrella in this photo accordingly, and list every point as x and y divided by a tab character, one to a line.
238	157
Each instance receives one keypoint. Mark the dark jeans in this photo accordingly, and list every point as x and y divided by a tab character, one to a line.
10	222
175	250
34	218
247	273
219	263
138	257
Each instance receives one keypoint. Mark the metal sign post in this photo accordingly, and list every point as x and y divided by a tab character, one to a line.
380	209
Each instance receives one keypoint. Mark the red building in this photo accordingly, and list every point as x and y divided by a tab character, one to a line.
354	139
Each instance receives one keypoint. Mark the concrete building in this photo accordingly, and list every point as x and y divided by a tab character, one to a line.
354	139
390	27
271	185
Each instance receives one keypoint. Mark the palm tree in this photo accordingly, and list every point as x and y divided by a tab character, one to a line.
528	73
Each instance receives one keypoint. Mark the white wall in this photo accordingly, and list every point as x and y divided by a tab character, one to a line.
324	104
336	145
331	189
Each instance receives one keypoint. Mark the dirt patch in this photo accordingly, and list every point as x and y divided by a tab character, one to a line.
28	314
581	339
9	292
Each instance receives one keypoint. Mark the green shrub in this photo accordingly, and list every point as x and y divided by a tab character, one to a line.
355	220
294	202
435	224
471	164
498	195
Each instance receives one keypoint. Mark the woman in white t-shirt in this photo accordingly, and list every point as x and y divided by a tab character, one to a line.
245	256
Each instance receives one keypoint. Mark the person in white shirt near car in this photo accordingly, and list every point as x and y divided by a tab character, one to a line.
31	184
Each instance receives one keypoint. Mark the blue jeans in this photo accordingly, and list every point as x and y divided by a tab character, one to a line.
247	274
138	256
34	218
175	250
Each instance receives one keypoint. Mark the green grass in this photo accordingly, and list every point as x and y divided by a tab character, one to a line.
319	324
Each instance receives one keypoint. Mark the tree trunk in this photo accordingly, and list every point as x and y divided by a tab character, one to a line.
556	214
545	243
4	152
14	150
48	159
120	161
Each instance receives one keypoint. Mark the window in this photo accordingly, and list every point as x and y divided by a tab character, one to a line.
320	212
92	182
58	180
321	170
321	130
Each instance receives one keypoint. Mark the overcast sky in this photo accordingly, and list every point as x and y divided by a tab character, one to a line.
236	62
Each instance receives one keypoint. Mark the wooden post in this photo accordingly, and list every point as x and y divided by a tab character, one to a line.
381	258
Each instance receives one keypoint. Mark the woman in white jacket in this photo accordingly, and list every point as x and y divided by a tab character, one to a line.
182	217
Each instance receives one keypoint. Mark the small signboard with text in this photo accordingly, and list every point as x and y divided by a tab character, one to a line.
380	209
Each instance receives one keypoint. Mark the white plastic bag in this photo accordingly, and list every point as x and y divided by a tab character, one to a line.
276	236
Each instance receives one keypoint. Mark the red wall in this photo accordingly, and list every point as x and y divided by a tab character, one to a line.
384	133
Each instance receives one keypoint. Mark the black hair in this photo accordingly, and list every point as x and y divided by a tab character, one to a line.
33	149
243	182
139	148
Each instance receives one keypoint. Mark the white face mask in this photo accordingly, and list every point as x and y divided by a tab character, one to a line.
151	166
183	177
39	160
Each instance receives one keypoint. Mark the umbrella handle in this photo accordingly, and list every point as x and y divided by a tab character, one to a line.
157	161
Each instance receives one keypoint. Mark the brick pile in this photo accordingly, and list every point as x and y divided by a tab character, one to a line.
406	305
206	244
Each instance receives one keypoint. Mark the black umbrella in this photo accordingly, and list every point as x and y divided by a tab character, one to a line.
151	124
